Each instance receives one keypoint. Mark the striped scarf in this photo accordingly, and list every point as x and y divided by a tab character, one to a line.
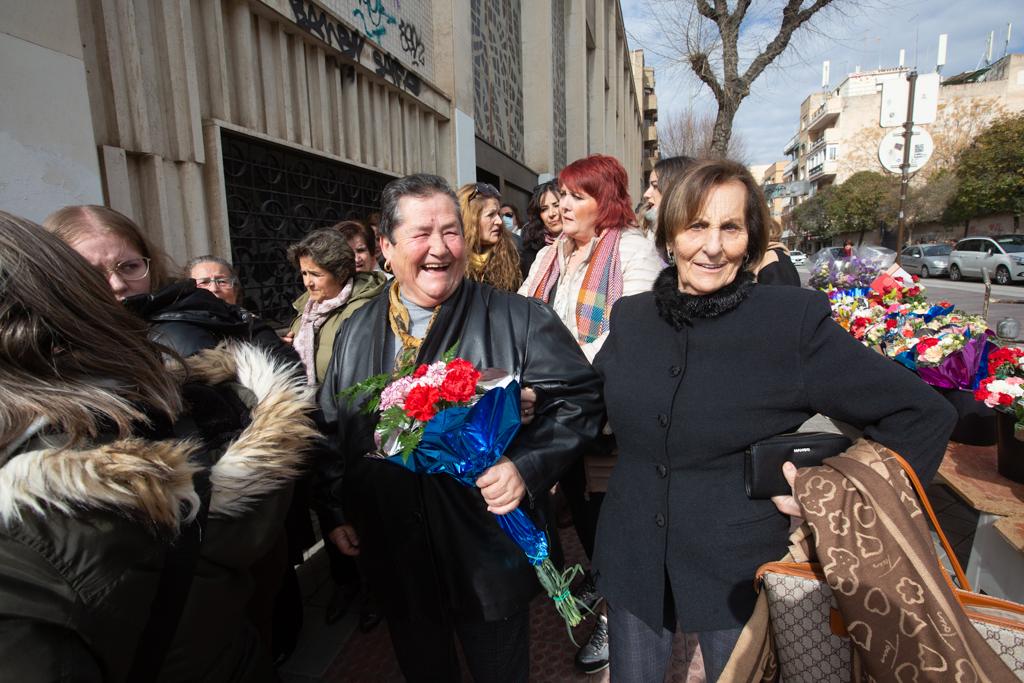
601	287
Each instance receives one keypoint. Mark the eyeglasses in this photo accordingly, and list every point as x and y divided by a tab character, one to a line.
132	269
227	282
484	190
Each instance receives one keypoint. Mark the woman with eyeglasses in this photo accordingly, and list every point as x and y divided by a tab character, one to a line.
493	254
181	316
217	276
598	258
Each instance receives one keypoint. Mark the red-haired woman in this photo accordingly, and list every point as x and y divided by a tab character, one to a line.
598	258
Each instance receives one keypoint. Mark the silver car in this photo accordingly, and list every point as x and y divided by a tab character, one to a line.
797	257
926	260
1001	255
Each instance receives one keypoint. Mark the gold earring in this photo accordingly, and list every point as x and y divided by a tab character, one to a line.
387	266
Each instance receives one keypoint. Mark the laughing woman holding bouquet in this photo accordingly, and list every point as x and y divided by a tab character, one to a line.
439	564
695	372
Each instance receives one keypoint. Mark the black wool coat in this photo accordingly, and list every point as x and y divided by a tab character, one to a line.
686	402
427	541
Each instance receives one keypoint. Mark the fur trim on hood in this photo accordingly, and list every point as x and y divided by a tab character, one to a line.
152	480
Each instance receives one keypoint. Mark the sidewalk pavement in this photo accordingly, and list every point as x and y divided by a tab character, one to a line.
341	653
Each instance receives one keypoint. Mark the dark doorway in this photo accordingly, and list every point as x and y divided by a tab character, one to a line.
275	195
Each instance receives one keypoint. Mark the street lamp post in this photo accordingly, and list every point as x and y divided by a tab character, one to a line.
908	132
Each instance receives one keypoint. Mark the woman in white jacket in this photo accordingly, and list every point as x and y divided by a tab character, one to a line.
599	258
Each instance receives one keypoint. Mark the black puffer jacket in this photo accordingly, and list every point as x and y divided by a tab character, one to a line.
427	541
85	533
189	319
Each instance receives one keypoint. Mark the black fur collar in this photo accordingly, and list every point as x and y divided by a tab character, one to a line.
678	309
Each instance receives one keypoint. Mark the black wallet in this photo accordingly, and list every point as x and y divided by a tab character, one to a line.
763	466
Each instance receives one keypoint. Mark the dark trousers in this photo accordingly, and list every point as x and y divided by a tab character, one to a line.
585	509
495	651
640	653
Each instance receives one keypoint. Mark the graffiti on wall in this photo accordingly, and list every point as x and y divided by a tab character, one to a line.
351	44
313	19
411	43
375	18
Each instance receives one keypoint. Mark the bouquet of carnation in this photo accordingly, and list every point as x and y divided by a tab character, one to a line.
1003	388
445	418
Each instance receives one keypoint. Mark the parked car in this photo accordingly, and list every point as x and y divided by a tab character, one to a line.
926	260
797	257
1001	255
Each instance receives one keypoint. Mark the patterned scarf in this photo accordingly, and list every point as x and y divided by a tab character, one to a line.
398	316
601	287
478	261
314	315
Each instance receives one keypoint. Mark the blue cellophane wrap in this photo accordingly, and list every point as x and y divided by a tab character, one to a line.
463	442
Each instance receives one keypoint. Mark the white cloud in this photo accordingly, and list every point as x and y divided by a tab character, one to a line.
851	35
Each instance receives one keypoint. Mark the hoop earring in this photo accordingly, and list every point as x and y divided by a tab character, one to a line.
387	267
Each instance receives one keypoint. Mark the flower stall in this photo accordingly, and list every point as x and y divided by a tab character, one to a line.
886	309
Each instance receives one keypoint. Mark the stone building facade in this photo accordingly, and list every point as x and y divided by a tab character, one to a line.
234	127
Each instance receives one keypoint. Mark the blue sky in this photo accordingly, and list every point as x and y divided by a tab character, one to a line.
868	33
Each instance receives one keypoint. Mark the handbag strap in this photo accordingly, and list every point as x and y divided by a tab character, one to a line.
927	506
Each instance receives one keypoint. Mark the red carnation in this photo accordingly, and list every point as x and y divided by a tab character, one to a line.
459	383
1005	400
421	402
420	371
913	291
926	343
914	278
890	324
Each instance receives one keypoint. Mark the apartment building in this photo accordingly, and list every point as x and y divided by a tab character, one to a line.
234	127
644	75
839	131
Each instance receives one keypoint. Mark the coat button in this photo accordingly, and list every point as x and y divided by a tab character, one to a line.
663	420
659	519
662	471
675	371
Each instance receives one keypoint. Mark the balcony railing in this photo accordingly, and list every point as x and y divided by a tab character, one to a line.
823	171
825	115
792	144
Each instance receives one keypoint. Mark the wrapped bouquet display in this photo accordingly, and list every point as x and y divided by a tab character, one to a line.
887	311
447	418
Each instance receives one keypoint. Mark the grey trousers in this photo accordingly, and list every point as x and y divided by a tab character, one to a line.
639	654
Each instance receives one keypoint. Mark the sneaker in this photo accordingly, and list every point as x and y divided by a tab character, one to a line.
593	656
587	593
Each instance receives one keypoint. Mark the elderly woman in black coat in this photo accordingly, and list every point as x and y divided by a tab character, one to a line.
724	363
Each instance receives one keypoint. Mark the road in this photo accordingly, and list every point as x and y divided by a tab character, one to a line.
969	296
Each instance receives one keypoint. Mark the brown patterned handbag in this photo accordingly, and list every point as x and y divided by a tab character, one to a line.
879	606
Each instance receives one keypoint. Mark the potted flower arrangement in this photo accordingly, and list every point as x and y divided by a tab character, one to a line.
1003	390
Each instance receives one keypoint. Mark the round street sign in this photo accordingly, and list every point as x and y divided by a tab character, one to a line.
890	150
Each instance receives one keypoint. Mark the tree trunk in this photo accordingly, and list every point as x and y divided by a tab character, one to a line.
723	129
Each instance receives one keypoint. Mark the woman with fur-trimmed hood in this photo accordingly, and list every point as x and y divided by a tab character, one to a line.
132	497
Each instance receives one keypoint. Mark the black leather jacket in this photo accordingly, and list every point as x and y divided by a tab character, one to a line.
428	541
188	320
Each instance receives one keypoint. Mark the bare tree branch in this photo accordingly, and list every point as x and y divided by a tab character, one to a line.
712	47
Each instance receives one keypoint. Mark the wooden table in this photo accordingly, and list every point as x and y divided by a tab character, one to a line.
996	564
